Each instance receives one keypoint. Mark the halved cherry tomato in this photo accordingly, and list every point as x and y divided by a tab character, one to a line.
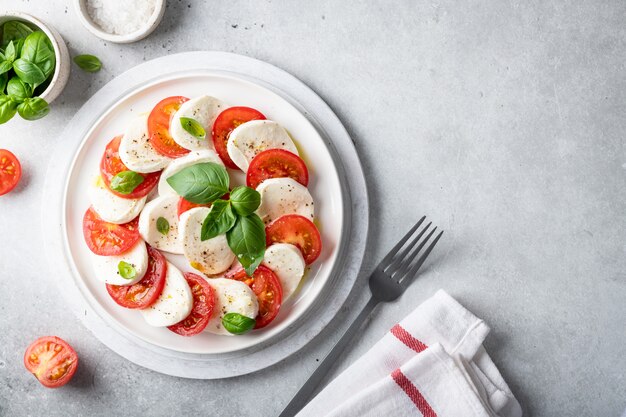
145	292
203	303
266	285
225	123
297	230
276	163
52	360
159	127
108	239
184	205
10	171
111	165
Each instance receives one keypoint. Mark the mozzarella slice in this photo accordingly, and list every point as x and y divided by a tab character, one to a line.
166	207
211	256
231	296
287	263
175	302
136	152
110	207
106	268
251	138
204	110
177	165
280	196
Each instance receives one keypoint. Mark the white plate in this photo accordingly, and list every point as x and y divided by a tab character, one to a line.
232	79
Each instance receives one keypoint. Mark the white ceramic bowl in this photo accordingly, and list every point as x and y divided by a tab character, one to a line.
62	68
148	28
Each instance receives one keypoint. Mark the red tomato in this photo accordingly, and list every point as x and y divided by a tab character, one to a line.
226	121
268	290
52	360
108	239
203	303
159	127
10	171
276	163
145	292
297	230
111	165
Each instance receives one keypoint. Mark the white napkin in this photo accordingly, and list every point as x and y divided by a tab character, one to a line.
432	363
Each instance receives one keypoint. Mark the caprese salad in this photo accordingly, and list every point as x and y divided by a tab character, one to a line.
164	186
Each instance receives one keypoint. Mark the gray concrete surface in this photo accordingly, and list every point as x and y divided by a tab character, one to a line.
503	121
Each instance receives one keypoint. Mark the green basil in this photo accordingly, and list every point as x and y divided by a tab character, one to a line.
219	220
125	182
200	183
14	30
3	82
245	200
88	63
5	65
8	108
33	108
247	240
163	226
126	270
28	72
38	50
193	127
18	89
10	54
236	323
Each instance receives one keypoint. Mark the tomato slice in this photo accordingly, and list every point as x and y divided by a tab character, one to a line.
52	360
203	303
145	292
268	290
108	239
159	127
225	122
111	165
297	230
10	171
276	163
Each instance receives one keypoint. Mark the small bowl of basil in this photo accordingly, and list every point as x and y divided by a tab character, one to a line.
34	66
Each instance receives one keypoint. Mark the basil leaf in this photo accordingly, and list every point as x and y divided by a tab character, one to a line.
163	226
14	30
245	200
236	323
8	108
28	72
193	127
126	270
3	82
88	63
18	89
200	183
38	50
247	240
19	43
5	66
125	182
219	220
33	108
10	54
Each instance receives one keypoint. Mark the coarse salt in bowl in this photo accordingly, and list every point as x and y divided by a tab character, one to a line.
120	21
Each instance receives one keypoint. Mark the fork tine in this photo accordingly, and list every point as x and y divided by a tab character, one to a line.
398	259
413	271
386	260
408	258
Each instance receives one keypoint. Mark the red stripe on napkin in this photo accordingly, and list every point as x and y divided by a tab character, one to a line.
406	338
413	393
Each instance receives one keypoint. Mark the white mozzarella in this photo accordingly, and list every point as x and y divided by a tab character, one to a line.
177	165
106	268
253	137
211	256
287	263
280	196
204	110
137	153
231	296
175	302
110	207
166	207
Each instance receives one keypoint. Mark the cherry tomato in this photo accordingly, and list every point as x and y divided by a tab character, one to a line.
52	360
203	303
145	292
108	239
111	165
276	163
297	230
225	123
266	285
159	127
10	171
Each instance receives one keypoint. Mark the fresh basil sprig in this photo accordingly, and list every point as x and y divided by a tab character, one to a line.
126	270
245	200
163	226
236	323
125	182
247	240
219	220
18	89
200	183
193	127
33	108
88	63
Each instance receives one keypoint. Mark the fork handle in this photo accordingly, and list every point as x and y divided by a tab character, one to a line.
302	396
